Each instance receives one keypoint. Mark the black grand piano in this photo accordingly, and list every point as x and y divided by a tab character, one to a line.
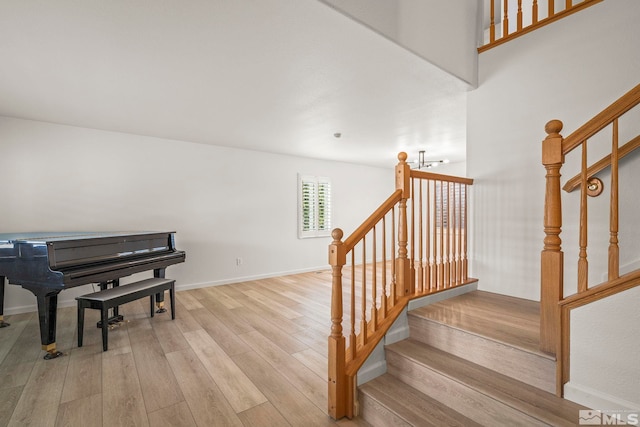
47	263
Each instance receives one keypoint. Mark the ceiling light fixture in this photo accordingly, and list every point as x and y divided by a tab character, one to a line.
421	163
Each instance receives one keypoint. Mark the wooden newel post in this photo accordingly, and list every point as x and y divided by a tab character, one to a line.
404	278
551	289
337	381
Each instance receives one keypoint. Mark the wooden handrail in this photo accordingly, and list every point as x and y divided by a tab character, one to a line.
603	290
440	177
535	22
601	164
602	119
372	220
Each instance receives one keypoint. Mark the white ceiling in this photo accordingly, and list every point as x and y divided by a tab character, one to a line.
279	76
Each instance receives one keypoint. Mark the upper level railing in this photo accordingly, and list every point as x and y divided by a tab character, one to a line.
555	307
509	19
414	244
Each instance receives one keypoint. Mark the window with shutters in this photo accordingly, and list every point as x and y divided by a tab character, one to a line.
314	206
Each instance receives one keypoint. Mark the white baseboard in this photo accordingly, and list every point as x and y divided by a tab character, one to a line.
595	399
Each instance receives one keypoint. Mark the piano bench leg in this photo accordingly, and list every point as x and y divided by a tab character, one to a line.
80	323
105	326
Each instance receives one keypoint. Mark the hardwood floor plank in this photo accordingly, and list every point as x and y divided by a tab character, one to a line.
84	376
206	402
264	415
159	386
241	393
218	293
188	300
10	398
38	404
285	324
10	334
232	321
184	319
314	361
85	412
123	403
271	330
229	341
177	415
312	386
169	335
293	405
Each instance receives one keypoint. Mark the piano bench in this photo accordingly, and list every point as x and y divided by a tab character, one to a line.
113	297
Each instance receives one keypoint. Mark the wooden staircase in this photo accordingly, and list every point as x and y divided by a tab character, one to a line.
470	360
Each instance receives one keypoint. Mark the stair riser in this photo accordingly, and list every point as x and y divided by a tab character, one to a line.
530	368
377	414
468	401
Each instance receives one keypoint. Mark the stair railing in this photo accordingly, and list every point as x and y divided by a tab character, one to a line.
554	306
528	16
414	244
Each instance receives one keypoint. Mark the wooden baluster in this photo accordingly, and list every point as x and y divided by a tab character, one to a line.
441	242
492	24
412	234
519	16
353	343
452	235
458	223
534	12
429	261
465	221
420	288
447	250
363	302
583	264
337	382
505	19
383	301
552	257
552	9
394	291
374	284
404	285
568	4
614	250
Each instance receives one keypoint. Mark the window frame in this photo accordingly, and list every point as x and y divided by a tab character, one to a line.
309	223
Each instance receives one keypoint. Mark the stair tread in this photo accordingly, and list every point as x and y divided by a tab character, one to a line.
509	320
539	404
413	406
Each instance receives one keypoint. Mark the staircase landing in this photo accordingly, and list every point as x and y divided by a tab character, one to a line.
505	319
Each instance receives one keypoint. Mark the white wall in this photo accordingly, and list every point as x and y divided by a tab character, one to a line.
569	70
444	33
223	203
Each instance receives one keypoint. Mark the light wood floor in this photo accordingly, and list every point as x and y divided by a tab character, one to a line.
247	354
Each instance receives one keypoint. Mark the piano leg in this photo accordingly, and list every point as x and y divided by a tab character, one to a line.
3	324
47	305
159	272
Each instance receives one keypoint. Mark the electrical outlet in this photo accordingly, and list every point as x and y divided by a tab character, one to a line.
238	262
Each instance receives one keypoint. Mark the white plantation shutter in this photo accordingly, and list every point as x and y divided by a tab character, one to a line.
314	207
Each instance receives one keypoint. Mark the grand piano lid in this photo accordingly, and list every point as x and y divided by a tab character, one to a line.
49	236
